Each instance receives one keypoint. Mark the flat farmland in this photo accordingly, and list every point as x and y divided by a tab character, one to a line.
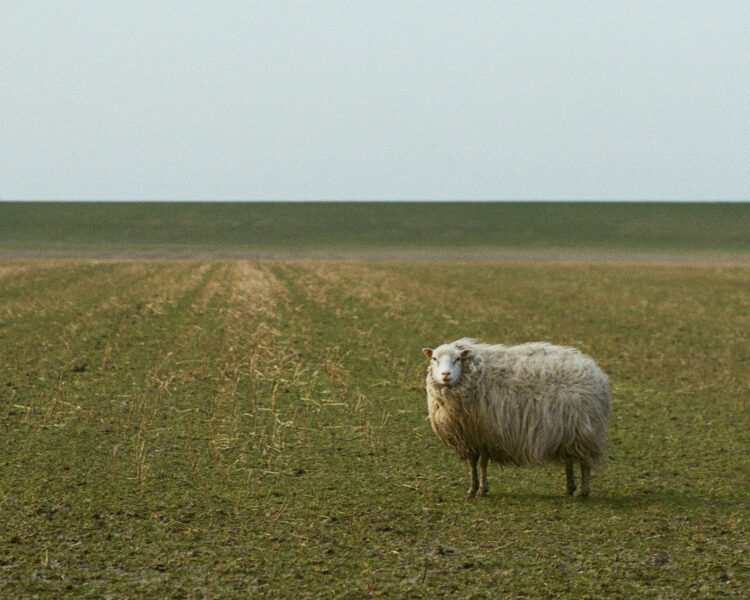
402	229
257	428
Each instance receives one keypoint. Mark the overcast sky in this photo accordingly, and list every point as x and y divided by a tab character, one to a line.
374	100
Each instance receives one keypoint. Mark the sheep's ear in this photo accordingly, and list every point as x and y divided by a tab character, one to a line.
466	353
427	352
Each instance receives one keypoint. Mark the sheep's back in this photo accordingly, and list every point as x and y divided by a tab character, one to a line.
545	401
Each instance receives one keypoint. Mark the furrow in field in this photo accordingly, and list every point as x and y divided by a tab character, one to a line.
365	376
78	342
53	286
374	284
389	316
86	288
252	411
91	312
110	438
362	307
161	293
150	365
212	389
401	293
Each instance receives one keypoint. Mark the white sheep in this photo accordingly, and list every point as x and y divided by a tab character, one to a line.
523	405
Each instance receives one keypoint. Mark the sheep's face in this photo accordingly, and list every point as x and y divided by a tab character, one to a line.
445	363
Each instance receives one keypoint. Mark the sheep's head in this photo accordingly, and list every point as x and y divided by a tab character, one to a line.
446	362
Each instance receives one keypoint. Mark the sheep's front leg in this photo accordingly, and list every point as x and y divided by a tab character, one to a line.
585	480
474	477
482	491
570	474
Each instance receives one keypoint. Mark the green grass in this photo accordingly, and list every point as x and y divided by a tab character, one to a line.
194	429
681	228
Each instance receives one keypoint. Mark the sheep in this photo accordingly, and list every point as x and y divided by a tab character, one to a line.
522	405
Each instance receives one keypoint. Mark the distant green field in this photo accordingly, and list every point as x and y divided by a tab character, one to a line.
257	429
678	228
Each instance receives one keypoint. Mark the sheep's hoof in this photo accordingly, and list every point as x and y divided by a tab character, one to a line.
571	490
584	493
471	493
482	491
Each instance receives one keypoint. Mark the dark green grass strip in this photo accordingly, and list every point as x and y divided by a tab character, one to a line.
681	228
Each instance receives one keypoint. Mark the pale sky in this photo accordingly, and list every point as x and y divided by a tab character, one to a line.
403	100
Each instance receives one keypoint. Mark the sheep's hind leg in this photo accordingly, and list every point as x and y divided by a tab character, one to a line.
570	474
474	477
482	491
585	480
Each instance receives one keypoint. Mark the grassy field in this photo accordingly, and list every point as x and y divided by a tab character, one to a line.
691	228
219	429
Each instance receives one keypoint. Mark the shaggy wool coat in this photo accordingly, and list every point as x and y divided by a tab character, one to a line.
522	405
